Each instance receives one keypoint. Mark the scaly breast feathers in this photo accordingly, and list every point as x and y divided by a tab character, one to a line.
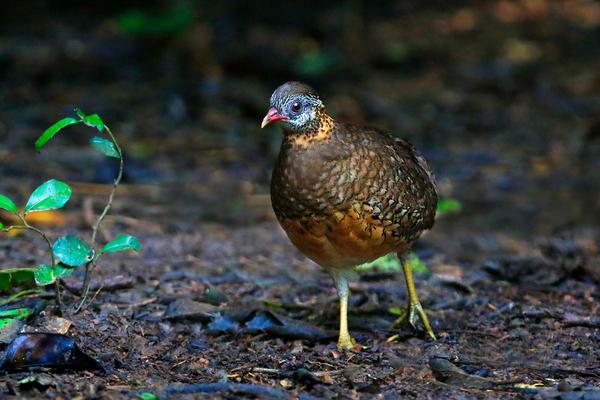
344	239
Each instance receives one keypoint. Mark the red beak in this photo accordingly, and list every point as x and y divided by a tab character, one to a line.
272	115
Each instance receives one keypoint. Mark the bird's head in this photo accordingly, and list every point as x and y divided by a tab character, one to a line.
296	106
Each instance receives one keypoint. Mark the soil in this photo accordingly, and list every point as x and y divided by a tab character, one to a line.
501	97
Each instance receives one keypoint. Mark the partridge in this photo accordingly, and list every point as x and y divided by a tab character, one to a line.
346	195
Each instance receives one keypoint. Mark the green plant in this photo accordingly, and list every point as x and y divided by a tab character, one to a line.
391	263
67	252
147	396
449	206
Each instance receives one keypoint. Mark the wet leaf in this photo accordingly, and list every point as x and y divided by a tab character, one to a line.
49	195
189	309
262	321
305	377
104	146
266	321
444	371
223	323
53	130
72	251
49	350
16	277
57	325
7	204
122	242
92	120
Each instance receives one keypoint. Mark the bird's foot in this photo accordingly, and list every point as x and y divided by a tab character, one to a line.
345	342
411	314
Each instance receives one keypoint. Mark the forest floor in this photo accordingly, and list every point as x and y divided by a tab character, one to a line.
219	295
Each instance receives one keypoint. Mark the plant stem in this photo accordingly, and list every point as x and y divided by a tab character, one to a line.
24	293
42	234
114	187
90	266
26	225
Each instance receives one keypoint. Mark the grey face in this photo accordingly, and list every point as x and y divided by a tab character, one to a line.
299	103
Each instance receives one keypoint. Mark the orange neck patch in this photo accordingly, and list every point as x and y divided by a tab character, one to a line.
321	131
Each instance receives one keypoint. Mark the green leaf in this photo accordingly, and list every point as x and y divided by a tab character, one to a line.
147	396
104	146
387	263
170	22
50	195
1	225
21	313
417	264
395	310
122	242
62	270
53	130
6	322
12	277
9	319
10	315
71	251
46	275
449	206
314	63
7	204
92	120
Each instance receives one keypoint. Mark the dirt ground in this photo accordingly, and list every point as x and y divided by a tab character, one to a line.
219	304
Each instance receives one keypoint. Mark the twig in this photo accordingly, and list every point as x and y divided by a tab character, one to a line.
244	389
96	294
108	284
89	267
588	322
260	370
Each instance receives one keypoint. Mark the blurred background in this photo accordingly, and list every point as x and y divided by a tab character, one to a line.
503	97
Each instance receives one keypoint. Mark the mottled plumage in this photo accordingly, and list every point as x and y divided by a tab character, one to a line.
345	194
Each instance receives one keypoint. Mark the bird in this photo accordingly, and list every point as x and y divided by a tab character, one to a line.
346	195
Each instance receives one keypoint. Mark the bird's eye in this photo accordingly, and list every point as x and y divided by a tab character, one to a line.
296	106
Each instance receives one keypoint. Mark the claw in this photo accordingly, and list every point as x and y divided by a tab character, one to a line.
346	343
414	312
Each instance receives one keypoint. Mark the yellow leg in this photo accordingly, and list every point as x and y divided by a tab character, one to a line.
345	341
415	309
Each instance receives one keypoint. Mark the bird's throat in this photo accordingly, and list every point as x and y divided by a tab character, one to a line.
321	130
